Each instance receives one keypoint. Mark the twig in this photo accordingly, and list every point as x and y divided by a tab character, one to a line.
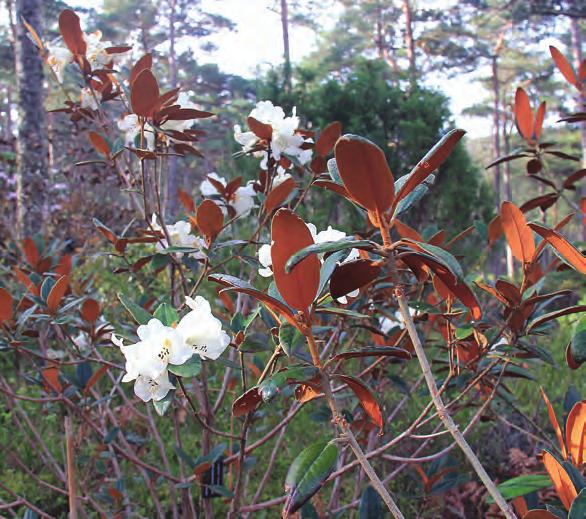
347	433
442	411
70	455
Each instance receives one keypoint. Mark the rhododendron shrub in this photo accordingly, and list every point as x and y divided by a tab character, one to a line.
233	319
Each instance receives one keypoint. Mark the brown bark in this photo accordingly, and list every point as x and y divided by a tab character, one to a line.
496	147
173	180
286	49
508	186
496	141
409	41
580	99
380	43
32	170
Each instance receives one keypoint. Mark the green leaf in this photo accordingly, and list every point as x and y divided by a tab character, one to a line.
141	316
289	337
308	473
523	485
481	229
189	368
441	255
328	267
109	438
308	511
221	490
162	405
229	243
239	323
578	508
555	315
46	287
341	311
575	475
273	385
556	511
329	246
538	351
415	196
175	248
166	314
578	344
212	456
382	351
83	373
160	260
371	506
334	172
512	370
186	458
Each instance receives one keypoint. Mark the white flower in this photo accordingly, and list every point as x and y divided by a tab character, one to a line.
280	177
388	323
131	128
57	59
55	354
82	342
284	138
267	113
180	236
158	347
201	331
207	188
246	139
242	200
503	341
87	99
329	235
96	50
333	235
147	388
180	126
264	257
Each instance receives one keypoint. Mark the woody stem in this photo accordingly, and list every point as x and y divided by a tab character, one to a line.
347	434
442	412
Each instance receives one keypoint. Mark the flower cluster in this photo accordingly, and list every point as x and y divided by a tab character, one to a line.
180	236
241	200
148	360
87	99
329	235
96	53
286	141
131	127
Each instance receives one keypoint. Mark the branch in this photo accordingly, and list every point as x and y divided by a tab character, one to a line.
442	411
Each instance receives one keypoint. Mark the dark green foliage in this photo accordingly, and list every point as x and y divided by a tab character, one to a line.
404	124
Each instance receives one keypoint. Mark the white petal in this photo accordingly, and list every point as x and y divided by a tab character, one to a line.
142	389
264	255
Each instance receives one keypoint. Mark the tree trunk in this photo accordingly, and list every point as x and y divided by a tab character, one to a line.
508	186
173	180
286	50
381	45
496	142
32	171
496	145
409	41
580	101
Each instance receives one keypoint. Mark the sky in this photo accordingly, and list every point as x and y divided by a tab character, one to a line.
258	33
256	44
